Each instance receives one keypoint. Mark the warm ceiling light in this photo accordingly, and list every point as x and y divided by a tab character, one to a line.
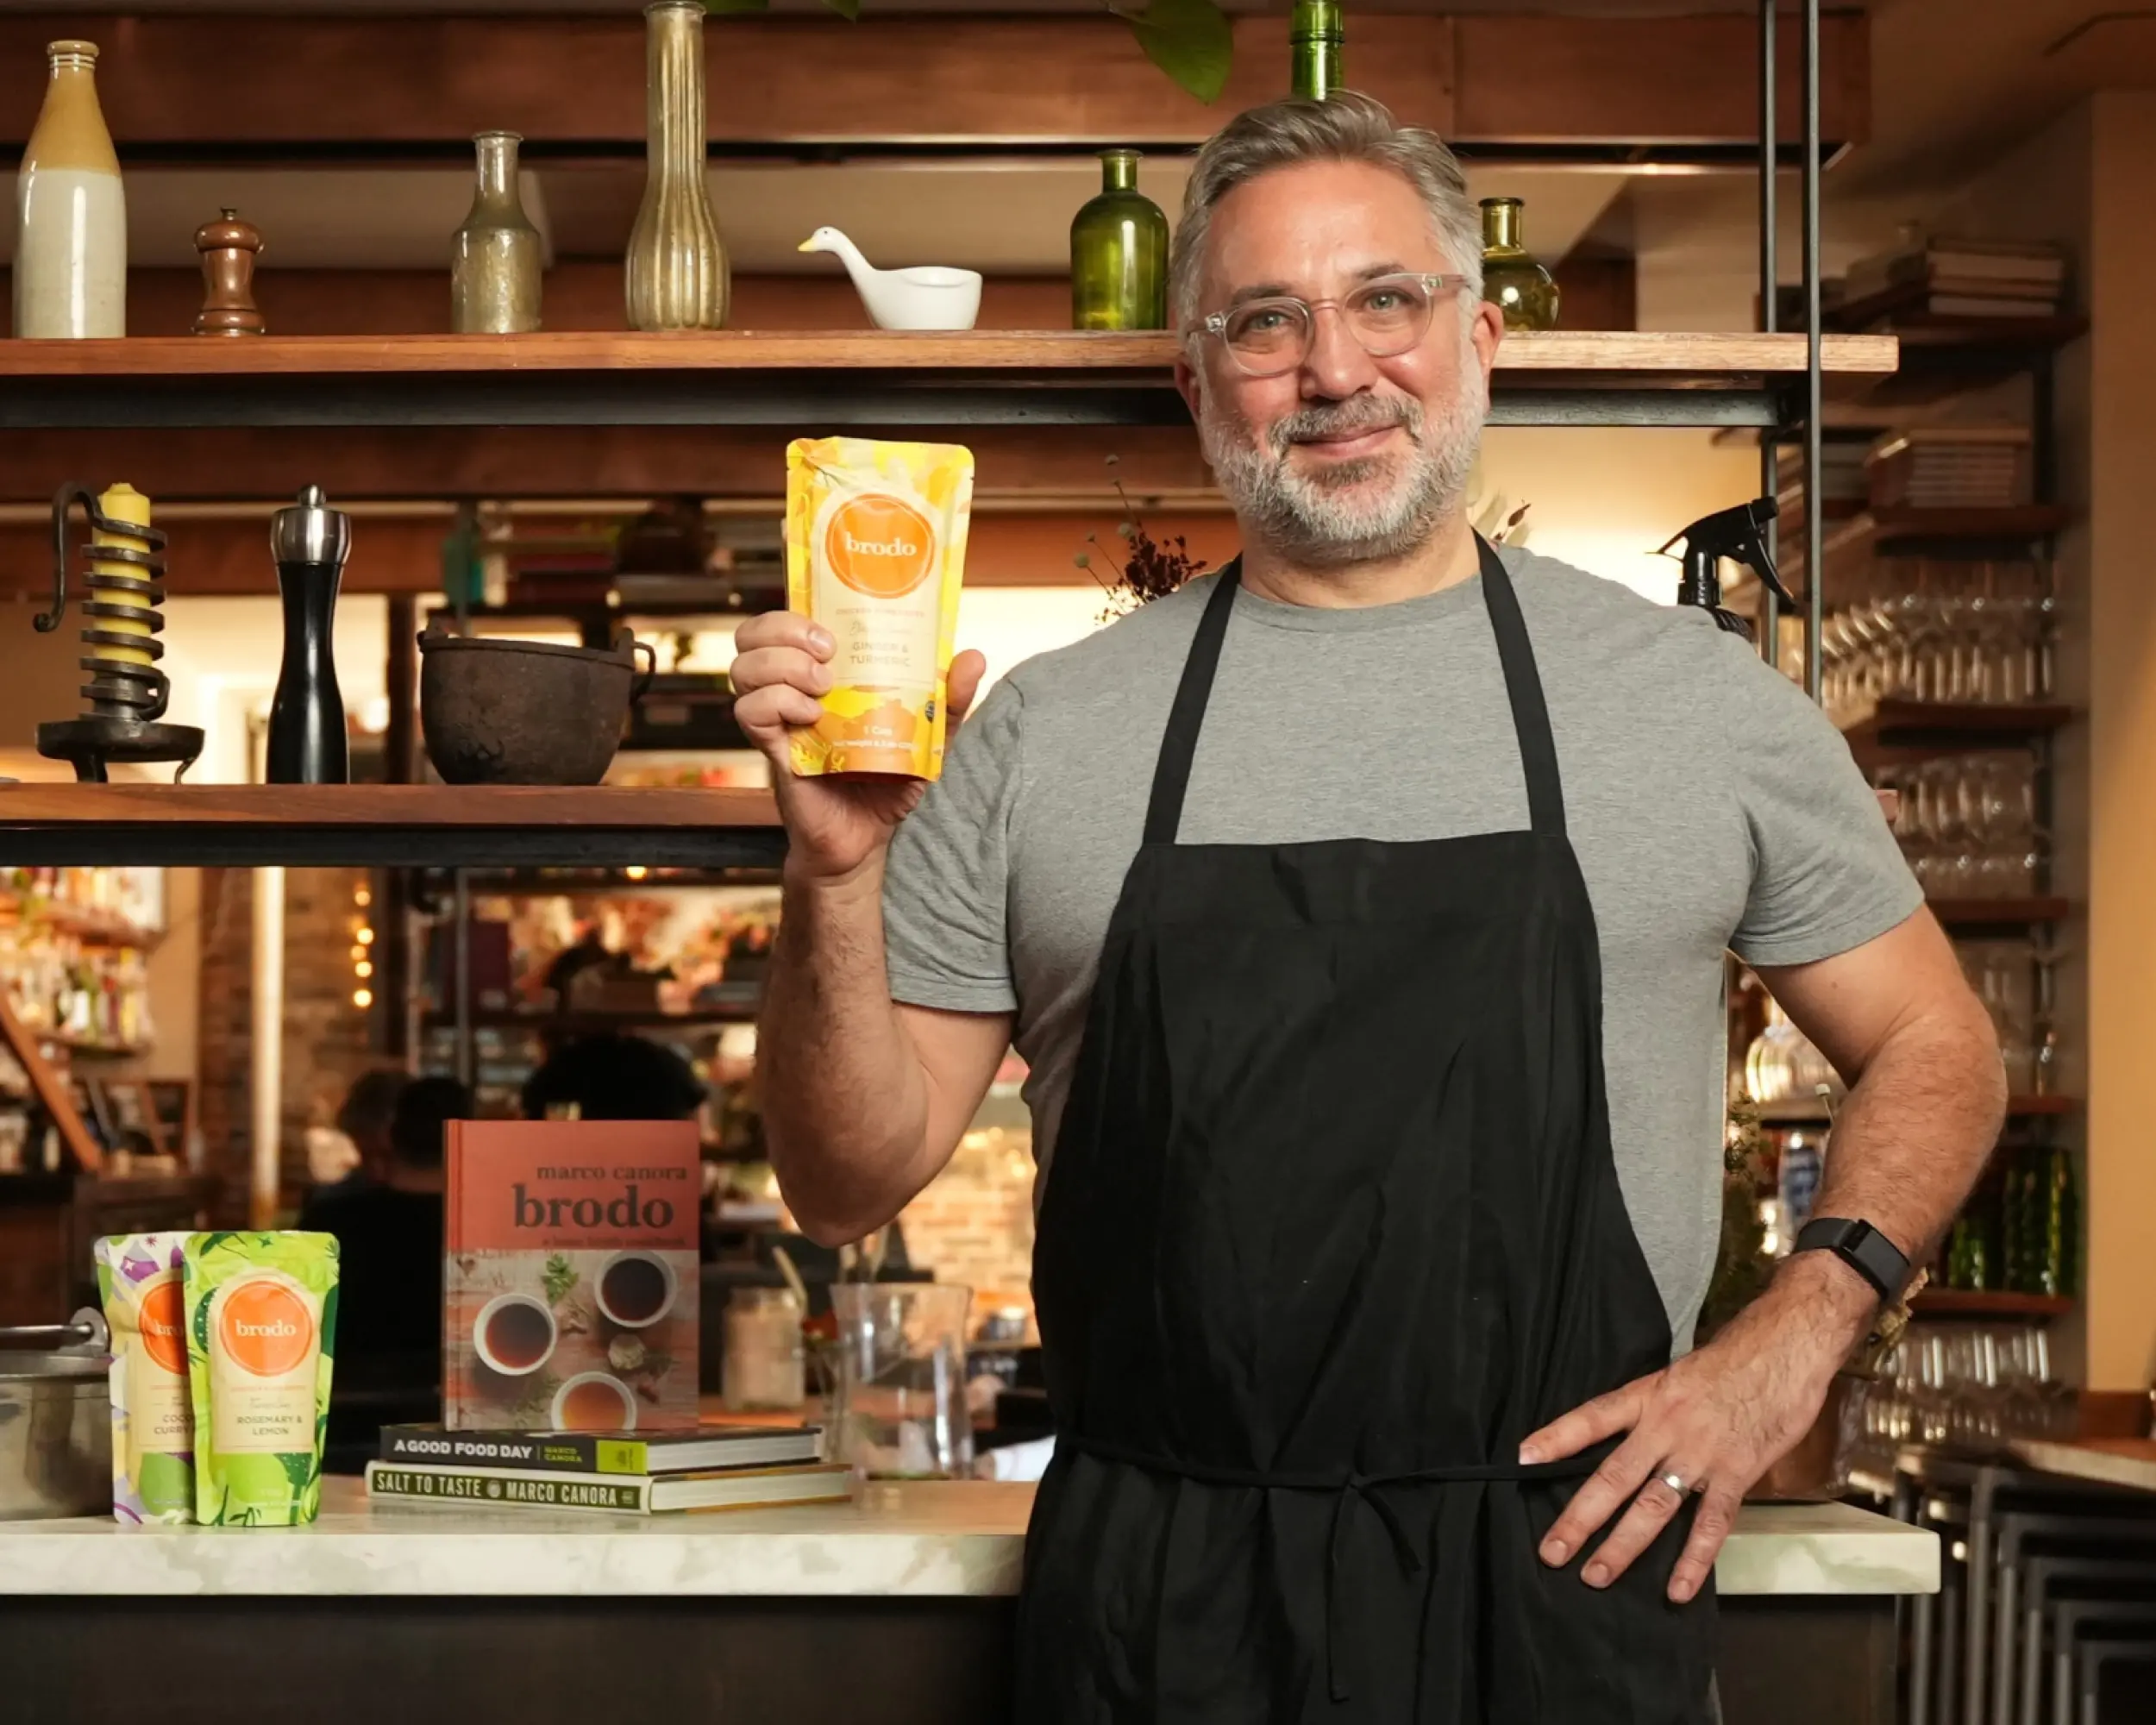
362	969
365	937
635	871
362	998
361	897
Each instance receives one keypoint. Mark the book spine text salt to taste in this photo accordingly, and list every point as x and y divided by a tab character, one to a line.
570	1288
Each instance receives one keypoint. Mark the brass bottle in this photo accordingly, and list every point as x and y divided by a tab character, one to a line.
1512	279
678	273
496	261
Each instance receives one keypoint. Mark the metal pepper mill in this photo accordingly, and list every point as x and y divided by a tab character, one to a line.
307	741
122	578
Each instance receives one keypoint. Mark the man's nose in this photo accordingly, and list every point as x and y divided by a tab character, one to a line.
1338	365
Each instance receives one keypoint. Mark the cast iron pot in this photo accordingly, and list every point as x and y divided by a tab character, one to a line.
496	711
55	1421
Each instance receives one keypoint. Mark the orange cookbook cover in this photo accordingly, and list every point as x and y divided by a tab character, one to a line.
569	1296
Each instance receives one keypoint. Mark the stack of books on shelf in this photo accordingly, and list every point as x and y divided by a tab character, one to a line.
1965	278
1951	467
1842	478
717	1467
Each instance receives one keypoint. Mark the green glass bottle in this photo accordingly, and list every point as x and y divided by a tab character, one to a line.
1512	279
2061	1224
1317	35
1118	253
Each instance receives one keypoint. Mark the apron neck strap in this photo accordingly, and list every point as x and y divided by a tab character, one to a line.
1523	684
1179	743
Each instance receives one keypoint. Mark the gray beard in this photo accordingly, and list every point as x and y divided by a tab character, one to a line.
1331	521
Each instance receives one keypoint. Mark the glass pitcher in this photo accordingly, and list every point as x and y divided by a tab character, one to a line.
901	1401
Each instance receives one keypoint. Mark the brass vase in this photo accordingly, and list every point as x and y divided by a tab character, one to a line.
678	273
1512	279
496	263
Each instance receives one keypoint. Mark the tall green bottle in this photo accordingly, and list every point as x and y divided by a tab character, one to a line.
1316	38
1118	253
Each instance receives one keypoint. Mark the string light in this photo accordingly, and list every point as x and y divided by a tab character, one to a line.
365	937
362	998
635	871
363	969
361	897
362	945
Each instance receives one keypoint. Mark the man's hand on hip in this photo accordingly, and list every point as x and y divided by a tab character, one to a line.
1715	1422
834	826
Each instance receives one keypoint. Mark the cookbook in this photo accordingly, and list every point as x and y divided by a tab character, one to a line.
570	1286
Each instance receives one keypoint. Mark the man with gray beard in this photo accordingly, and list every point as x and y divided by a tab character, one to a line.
1361	911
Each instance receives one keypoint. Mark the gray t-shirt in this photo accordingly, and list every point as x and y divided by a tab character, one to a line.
1712	806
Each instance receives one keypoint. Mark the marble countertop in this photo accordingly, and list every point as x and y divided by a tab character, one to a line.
923	1539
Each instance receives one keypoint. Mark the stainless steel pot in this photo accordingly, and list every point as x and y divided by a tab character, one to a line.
55	1421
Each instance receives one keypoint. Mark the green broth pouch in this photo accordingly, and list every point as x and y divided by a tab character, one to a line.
261	1326
138	1281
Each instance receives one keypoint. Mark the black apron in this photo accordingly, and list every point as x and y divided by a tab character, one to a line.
1333	1224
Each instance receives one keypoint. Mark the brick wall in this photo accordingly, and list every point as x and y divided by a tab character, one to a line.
327	1039
973	1224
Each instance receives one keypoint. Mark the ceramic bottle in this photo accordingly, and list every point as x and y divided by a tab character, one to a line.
70	255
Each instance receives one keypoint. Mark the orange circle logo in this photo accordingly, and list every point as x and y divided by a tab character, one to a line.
163	1338
266	1328
879	545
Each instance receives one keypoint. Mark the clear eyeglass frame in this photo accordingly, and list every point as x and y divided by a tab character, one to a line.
1261	351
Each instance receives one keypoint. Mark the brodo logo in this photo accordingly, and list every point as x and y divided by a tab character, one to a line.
264	1327
879	545
163	1339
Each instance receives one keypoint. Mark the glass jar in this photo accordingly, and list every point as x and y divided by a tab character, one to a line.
1118	253
901	1410
763	1362
678	274
496	263
1512	279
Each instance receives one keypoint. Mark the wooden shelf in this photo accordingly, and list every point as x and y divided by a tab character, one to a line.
1857	540
597	1023
1908	730
442	826
92	928
789	379
1954	1302
1966	913
1797	1112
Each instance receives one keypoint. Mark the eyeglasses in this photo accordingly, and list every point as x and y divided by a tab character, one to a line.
1387	316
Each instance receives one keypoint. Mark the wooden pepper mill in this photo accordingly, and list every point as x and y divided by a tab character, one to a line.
229	246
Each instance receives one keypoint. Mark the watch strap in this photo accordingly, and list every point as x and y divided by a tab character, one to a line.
1862	1247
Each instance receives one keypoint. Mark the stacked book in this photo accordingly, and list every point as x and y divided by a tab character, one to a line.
1951	467
718	1467
1965	278
1842	476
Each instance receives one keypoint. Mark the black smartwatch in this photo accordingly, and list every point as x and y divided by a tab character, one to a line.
1862	1247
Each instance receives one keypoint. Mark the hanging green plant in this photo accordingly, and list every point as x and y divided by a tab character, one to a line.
1188	40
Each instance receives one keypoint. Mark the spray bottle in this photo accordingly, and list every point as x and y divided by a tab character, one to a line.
1736	533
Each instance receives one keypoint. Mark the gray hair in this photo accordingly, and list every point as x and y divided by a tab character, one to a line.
1345	127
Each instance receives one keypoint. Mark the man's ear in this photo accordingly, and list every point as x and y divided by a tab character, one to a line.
1189	384
1488	330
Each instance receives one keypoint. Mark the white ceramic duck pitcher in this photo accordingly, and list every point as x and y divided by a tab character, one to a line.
926	297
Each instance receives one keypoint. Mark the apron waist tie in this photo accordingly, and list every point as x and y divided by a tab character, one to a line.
1350	1487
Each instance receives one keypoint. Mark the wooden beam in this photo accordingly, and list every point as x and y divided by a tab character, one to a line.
264	84
229	556
543	461
1531	78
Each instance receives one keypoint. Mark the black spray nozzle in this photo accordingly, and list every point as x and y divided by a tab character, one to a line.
1738	533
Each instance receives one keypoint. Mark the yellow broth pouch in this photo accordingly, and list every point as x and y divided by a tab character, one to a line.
140	1282
875	551
261	1322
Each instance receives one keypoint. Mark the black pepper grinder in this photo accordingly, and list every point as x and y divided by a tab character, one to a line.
307	744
